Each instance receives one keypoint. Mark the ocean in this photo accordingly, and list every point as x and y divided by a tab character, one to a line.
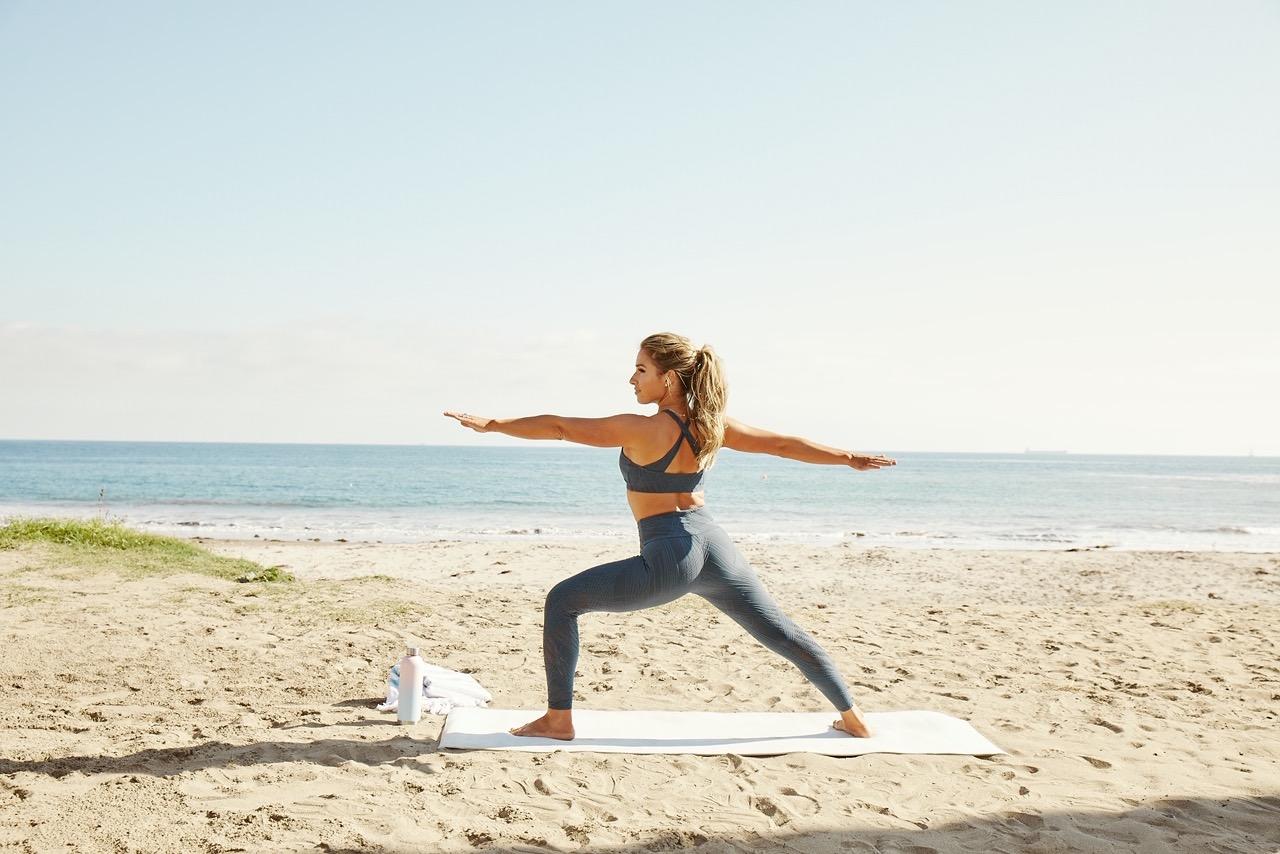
413	493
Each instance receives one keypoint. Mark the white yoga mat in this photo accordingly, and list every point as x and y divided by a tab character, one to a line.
709	733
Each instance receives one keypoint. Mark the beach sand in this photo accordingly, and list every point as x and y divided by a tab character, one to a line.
1136	692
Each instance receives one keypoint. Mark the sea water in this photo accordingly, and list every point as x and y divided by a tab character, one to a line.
414	493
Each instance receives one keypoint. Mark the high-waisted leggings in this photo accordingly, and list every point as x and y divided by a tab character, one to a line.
683	551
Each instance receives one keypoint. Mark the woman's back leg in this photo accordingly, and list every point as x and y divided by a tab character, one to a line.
731	584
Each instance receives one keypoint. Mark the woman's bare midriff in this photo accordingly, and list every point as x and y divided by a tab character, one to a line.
652	503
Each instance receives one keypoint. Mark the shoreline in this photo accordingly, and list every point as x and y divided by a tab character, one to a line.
904	541
759	539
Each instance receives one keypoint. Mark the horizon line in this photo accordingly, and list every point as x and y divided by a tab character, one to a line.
535	443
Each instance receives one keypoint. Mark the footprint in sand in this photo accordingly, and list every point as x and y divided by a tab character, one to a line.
577	833
511	814
478	838
808	809
770	809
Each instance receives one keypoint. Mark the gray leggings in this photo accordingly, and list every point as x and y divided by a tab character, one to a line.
681	552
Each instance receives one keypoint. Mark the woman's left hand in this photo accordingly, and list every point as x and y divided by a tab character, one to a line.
476	422
870	463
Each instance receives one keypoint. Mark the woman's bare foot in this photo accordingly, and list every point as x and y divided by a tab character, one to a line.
556	723
852	722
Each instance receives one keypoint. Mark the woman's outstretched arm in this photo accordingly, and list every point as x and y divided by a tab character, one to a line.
744	437
611	432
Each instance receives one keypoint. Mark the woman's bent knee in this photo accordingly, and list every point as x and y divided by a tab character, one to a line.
563	599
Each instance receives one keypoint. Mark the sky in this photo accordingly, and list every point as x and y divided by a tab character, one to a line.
978	227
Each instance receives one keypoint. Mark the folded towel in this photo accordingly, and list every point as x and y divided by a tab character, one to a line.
443	690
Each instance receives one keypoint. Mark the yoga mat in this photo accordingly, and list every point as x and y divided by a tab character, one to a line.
710	733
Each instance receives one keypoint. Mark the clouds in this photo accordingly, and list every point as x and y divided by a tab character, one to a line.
363	382
349	382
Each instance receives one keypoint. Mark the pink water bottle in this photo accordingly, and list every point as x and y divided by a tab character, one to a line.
412	669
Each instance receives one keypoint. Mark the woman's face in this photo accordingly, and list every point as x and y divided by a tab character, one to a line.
647	380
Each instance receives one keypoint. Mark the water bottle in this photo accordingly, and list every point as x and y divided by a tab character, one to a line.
412	669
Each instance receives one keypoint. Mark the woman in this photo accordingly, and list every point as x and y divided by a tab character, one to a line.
682	549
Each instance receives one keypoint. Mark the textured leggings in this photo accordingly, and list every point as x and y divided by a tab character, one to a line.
681	552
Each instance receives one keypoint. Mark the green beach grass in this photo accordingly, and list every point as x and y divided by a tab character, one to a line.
108	544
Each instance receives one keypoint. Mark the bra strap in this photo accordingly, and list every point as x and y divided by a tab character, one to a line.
685	430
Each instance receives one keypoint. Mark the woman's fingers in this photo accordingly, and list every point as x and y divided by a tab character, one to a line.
466	419
875	462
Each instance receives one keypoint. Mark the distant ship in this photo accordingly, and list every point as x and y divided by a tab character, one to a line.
1033	451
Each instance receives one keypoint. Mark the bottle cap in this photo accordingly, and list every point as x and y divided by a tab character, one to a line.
413	650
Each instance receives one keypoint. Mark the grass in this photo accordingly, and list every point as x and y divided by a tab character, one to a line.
109	544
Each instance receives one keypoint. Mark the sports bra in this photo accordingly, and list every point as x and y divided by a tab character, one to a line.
653	477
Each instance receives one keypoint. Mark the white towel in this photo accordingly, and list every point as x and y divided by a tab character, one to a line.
443	690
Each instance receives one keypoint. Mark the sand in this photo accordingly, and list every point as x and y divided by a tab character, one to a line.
1136	692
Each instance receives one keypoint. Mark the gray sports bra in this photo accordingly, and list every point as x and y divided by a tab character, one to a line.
653	477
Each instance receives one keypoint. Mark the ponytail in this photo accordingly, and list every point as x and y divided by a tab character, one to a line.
706	388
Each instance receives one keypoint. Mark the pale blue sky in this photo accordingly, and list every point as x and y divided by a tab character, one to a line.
907	226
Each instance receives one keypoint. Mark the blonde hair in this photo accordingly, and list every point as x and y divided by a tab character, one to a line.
702	375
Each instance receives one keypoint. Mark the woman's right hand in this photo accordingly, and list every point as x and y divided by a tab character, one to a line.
865	463
476	422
